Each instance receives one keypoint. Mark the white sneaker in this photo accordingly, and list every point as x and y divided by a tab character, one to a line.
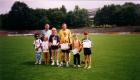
61	64
39	62
85	67
57	63
35	62
89	67
67	64
79	66
52	63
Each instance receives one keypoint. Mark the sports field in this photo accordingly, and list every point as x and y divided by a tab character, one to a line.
115	57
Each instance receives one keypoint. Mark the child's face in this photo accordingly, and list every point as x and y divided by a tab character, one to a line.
75	37
86	36
45	39
54	31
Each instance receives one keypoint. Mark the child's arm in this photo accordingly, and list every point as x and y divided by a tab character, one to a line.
81	46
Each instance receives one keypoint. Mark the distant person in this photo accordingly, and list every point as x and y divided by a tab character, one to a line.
87	44
45	47
54	43
47	32
76	45
65	38
38	48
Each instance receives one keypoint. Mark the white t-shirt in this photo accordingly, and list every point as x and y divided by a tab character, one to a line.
47	33
45	45
86	43
37	44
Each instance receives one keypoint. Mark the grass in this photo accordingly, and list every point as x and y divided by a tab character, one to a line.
115	57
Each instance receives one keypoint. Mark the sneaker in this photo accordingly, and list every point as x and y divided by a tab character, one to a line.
57	63
35	62
89	67
85	67
74	66
67	64
52	63
79	66
61	64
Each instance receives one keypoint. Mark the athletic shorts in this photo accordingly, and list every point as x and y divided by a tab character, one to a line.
54	47
65	51
87	51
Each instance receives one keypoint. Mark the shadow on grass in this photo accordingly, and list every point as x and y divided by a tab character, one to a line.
31	63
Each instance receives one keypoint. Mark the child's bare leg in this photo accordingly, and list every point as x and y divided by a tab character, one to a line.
56	53
86	60
89	61
46	57
53	54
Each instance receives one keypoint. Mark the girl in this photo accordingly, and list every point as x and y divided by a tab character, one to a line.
45	46
38	48
54	42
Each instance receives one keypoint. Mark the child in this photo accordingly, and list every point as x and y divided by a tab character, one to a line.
87	50
45	45
76	44
38	48
54	42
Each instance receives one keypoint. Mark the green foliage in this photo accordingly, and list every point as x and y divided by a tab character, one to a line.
21	17
78	17
125	15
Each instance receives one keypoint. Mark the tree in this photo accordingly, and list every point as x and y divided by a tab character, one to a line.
121	15
21	17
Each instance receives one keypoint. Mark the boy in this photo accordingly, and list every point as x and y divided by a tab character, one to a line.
76	45
38	48
54	42
87	50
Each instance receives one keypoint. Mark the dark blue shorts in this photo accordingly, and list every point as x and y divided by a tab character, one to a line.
87	51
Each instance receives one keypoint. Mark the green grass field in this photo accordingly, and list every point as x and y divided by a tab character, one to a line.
115	57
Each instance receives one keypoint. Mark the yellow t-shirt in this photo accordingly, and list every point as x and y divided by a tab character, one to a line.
65	36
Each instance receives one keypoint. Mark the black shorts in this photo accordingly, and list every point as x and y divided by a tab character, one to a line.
65	51
54	47
87	51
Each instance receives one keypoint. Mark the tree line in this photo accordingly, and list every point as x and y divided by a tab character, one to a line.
119	15
21	17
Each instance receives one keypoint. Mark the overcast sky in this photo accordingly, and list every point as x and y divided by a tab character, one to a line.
5	5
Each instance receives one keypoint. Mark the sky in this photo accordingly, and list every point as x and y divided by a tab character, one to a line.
5	5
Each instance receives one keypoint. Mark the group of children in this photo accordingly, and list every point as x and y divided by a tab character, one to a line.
42	46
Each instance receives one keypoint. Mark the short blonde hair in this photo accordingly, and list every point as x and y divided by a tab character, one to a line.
54	29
